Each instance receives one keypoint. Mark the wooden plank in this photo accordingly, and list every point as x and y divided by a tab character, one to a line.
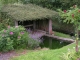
61	38
28	25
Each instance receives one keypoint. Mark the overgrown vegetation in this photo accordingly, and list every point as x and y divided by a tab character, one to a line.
72	16
46	54
51	4
14	38
71	55
17	37
2	26
22	12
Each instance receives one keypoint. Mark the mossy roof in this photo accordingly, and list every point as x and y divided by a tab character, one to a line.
22	12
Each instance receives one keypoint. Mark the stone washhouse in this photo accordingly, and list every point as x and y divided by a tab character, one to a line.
34	18
37	20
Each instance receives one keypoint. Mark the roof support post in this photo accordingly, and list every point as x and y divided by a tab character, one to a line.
50	33
16	23
50	26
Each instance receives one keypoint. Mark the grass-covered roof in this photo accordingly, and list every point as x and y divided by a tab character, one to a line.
22	12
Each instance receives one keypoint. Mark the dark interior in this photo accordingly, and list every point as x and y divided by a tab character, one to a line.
39	24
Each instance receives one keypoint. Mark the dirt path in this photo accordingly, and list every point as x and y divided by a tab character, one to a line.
8	55
12	54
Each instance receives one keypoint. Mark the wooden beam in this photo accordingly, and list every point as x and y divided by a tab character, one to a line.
50	27
60	38
28	25
16	23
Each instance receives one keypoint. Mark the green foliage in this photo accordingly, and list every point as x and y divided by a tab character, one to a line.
2	26
9	39
14	38
53	4
72	15
9	1
33	44
70	55
4	22
3	2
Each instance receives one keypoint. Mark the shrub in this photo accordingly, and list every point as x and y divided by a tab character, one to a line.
71	55
14	38
32	44
2	26
4	22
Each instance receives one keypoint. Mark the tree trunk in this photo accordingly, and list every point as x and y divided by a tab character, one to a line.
77	46
77	37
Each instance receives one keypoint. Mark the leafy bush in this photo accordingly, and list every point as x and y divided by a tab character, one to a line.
4	22
32	44
2	26
14	38
71	55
